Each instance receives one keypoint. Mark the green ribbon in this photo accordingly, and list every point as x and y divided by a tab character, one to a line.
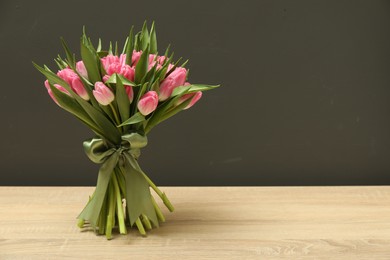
138	197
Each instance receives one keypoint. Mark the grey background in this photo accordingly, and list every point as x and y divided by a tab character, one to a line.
305	96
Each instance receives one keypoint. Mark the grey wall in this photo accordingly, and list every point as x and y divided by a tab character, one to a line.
305	97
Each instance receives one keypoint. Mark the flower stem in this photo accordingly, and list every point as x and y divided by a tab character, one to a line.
121	219
159	214
140	227
146	222
118	121
162	195
102	217
111	211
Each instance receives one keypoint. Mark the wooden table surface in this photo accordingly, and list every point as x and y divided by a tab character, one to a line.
209	223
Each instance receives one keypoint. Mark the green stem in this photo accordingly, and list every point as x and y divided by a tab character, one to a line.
121	219
118	121
140	227
102	217
161	194
159	214
80	223
146	222
111	211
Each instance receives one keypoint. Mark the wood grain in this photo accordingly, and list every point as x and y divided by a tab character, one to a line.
209	223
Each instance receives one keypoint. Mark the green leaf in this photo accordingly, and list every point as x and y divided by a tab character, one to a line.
150	75
137	41
69	55
125	81
108	130
157	119
184	63
116	48
122	100
125	45
53	78
144	37
167	50
102	54
110	49
193	88
136	118
142	66
90	59
70	104
99	47
153	40
130	47
181	90
164	108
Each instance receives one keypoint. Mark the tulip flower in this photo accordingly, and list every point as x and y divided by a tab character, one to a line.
175	79
78	87
148	103
135	58
130	93
74	82
60	88
195	98
108	60
114	64
80	67
103	94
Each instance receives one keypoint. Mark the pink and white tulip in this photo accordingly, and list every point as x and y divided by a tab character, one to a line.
114	64
60	88
130	93
148	103
195	98
80	67
74	82
103	94
175	79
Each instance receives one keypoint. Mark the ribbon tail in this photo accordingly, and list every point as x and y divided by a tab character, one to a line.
138	196
92	210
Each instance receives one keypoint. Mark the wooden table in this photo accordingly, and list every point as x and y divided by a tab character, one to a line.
209	223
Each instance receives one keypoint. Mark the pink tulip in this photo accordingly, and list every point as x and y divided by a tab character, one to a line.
122	59
175	79
60	88
80	67
130	93
78	87
124	70
74	82
108	60
161	59
103	94
148	103
195	98
135	58
114	64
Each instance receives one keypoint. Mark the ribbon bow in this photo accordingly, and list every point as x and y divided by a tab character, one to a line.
138	197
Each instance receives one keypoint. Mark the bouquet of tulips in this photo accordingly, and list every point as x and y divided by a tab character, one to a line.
121	96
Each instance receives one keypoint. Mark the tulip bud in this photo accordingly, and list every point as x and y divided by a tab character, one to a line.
148	103
80	67
74	82
108	60
103	94
135	58
60	88
130	93
195	97
78	87
175	79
